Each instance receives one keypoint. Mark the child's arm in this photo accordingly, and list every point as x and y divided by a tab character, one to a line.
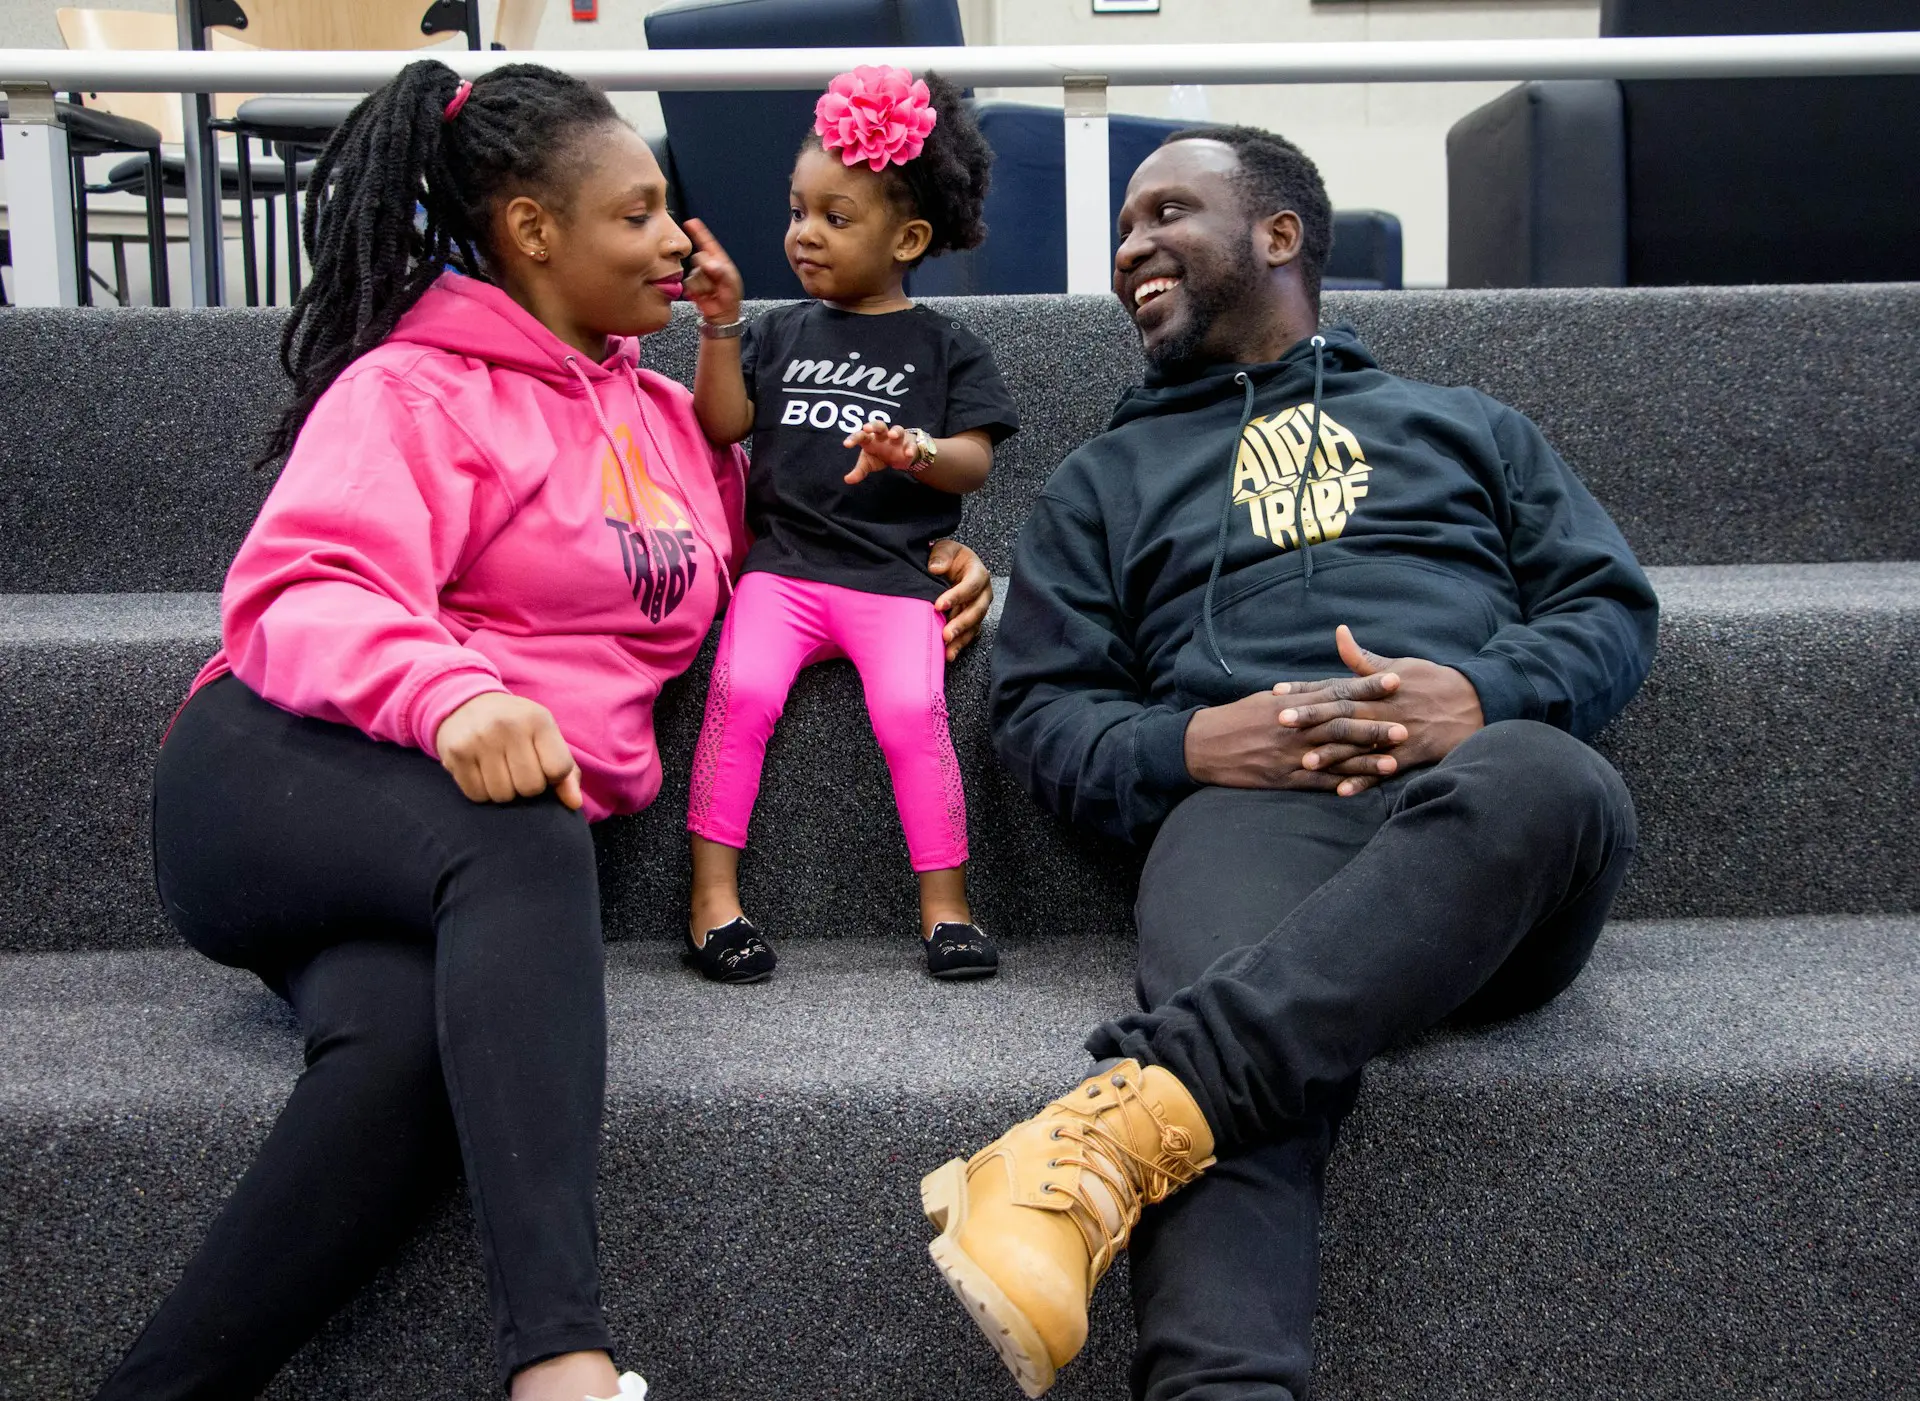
720	398
960	463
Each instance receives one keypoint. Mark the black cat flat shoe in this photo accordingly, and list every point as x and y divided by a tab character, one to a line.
957	951
736	952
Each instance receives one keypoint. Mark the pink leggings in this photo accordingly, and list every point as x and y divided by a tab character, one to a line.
775	626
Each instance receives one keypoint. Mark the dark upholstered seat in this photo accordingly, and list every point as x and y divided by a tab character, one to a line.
1700	182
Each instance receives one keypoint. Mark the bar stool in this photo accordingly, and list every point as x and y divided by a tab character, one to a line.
298	127
91	133
295	128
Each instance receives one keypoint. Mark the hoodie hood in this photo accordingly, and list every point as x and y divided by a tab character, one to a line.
466	316
1343	352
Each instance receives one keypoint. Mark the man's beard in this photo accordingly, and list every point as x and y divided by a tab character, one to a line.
1211	292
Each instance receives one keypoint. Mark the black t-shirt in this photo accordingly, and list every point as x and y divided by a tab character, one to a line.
816	374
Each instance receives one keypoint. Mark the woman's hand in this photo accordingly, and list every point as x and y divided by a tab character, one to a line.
714	286
883	447
499	747
965	604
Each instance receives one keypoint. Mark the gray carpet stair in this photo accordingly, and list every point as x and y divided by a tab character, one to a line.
1636	1193
1773	757
1718	425
1693	1176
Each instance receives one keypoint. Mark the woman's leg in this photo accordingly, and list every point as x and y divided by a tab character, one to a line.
773	629
902	659
280	839
363	1146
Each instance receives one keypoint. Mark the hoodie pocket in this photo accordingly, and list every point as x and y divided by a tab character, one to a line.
1280	628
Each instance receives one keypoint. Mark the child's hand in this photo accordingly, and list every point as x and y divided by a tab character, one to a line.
882	447
714	285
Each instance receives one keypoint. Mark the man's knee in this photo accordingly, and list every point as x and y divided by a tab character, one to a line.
1541	772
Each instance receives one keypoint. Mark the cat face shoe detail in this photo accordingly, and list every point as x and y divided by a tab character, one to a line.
957	951
736	952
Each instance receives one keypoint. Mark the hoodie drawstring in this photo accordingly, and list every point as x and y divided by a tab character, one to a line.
1245	381
721	559
1301	496
626	473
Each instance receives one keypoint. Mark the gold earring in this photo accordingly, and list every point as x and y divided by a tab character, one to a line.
541	254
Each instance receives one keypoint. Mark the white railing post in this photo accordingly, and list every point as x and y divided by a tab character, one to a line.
39	199
206	248
1089	215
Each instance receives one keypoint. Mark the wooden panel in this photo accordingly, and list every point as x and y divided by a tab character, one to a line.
336	24
140	29
516	24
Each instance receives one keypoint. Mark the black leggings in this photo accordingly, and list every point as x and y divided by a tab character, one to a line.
444	959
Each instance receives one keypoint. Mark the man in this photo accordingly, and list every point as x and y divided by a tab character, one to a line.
1330	640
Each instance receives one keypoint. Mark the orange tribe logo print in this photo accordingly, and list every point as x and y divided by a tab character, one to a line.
657	548
1267	473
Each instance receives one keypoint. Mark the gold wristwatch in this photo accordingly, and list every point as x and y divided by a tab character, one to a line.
926	451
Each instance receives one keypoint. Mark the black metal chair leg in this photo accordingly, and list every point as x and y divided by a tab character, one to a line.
248	254
121	293
273	262
287	158
82	269
157	269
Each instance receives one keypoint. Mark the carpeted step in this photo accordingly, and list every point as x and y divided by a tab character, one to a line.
1773	758
1726	425
1694	1175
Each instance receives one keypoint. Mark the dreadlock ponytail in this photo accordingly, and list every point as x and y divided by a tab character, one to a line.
405	191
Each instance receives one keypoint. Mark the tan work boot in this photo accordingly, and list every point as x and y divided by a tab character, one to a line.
1031	1222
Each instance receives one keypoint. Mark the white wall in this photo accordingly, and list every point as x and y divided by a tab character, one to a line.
1380	145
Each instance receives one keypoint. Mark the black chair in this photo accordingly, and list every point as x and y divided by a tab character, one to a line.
266	187
294	127
1026	210
93	133
730	153
1694	182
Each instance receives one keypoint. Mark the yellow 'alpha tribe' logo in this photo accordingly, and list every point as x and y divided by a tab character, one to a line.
1266	478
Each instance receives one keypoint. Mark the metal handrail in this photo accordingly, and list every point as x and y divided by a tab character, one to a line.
1408	61
36	147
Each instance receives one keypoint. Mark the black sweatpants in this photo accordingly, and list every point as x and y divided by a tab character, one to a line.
445	963
1288	938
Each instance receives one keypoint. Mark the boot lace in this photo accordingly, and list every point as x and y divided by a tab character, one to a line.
1133	1180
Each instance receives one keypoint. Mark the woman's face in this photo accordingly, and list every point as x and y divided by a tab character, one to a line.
612	264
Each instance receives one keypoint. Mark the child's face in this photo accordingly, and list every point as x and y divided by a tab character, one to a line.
845	239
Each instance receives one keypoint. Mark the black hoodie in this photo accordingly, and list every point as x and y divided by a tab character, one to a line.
1438	522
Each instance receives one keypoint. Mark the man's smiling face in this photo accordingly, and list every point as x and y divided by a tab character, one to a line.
1186	271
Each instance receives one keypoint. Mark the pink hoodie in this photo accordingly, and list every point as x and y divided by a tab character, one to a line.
474	506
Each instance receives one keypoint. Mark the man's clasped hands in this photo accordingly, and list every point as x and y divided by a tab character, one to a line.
1343	734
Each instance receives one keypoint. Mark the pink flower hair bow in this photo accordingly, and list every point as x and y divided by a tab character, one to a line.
877	115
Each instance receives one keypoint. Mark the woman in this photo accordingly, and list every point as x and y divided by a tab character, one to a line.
493	541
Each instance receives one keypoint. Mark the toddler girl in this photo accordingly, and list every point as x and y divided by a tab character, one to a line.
870	417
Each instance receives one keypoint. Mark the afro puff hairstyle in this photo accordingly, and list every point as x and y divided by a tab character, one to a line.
946	184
